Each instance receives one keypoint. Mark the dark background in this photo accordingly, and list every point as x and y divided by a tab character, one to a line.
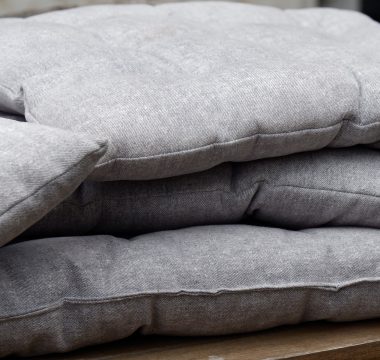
371	8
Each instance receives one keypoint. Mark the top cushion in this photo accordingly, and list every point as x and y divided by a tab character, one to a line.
180	88
40	166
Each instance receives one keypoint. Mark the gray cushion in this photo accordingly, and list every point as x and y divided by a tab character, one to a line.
40	166
328	187
63	293
180	88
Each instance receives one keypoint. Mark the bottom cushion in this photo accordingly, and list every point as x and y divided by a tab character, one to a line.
63	293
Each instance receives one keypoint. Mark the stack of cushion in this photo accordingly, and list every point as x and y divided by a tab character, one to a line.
186	169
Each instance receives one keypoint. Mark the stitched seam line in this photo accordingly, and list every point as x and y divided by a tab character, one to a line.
52	180
220	144
236	141
110	300
11	91
217	144
329	190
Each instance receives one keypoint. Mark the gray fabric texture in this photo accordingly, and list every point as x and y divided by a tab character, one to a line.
332	187
64	293
40	167
180	88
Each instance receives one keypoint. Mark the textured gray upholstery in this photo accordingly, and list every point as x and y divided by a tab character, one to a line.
332	187
64	293
180	88
40	167
214	114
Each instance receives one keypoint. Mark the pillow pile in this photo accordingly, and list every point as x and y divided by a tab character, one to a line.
186	169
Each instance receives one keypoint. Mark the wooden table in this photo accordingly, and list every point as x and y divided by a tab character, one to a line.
354	341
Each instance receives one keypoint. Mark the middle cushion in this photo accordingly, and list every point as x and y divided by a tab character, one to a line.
328	187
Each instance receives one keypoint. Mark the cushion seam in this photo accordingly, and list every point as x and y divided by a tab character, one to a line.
107	300
215	144
12	92
218	144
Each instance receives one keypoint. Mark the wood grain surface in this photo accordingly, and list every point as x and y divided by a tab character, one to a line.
357	340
